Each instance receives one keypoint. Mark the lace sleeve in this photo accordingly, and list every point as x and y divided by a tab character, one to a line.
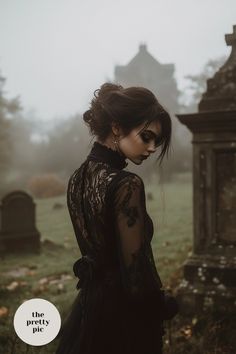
142	286
139	275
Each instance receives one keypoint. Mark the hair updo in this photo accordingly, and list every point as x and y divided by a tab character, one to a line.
128	108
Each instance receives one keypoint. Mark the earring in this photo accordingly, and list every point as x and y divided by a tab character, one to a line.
116	143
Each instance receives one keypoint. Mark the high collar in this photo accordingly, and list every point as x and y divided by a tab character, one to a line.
102	153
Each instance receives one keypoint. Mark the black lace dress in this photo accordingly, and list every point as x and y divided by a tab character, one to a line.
120	306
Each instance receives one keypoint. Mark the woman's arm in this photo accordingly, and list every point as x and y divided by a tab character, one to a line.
141	282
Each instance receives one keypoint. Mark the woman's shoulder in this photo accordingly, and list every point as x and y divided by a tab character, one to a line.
130	177
125	179
75	173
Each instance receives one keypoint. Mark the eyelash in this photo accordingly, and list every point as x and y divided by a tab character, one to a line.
146	139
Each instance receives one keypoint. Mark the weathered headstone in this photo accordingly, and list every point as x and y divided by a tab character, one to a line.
17	223
210	272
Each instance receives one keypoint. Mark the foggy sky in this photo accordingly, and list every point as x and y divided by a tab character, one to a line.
55	53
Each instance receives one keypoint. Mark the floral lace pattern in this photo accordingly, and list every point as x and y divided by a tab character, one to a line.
119	304
107	205
134	230
86	203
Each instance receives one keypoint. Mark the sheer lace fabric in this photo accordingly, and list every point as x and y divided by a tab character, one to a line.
134	230
119	306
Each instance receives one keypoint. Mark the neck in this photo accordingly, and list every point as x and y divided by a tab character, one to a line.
110	145
106	153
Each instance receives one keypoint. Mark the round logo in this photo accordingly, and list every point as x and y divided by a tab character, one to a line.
37	322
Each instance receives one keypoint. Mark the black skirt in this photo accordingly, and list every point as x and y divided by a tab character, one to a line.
103	321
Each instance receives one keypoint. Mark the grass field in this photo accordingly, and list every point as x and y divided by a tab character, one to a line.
49	274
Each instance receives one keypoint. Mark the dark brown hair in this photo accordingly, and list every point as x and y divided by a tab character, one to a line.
129	108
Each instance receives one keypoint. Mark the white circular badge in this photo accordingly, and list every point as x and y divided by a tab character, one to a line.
37	322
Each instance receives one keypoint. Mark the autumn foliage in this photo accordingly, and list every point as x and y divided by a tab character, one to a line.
46	186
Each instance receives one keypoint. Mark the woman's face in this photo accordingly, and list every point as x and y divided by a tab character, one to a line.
137	146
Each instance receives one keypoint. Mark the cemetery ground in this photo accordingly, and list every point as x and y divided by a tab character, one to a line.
49	275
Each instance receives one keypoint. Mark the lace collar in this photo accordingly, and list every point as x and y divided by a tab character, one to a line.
105	154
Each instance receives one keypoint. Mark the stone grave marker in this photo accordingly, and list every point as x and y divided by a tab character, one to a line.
17	223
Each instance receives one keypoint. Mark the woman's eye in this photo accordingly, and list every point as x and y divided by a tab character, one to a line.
145	138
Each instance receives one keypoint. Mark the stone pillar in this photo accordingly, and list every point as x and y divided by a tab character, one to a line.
210	272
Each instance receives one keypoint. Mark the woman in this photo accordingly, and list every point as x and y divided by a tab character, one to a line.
120	307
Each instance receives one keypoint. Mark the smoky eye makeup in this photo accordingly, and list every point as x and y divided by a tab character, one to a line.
145	137
148	136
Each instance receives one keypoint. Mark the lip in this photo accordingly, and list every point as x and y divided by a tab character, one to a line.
144	157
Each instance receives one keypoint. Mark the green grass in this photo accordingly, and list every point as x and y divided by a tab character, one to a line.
171	213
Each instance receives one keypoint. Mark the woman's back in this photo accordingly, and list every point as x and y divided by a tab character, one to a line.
121	306
114	307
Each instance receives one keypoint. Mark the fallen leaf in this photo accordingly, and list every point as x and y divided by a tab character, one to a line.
43	281
40	289
60	287
186	331
13	286
3	311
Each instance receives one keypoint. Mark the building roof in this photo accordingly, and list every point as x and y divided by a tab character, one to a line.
144	59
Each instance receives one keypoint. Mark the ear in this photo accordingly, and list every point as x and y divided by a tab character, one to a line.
116	129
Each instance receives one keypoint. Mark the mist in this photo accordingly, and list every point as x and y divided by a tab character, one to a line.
55	53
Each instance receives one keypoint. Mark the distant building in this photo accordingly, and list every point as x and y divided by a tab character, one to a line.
145	70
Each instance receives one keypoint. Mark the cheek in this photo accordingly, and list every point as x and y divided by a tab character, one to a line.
136	143
133	144
129	146
139	142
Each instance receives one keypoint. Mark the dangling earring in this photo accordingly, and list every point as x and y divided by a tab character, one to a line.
116	143
117	147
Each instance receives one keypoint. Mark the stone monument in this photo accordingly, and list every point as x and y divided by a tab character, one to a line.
210	272
17	223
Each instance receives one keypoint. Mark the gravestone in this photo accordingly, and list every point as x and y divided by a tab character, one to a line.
17	223
210	272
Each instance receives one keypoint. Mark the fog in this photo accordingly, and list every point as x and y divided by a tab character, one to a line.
54	53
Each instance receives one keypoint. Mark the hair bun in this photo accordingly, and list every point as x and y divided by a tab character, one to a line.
107	88
100	115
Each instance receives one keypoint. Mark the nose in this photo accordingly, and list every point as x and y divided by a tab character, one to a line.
151	148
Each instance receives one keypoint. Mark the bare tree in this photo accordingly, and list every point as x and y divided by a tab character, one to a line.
8	108
197	84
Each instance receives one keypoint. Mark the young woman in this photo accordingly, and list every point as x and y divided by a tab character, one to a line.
121	306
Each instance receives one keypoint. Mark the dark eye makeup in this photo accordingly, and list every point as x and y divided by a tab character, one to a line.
147	137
